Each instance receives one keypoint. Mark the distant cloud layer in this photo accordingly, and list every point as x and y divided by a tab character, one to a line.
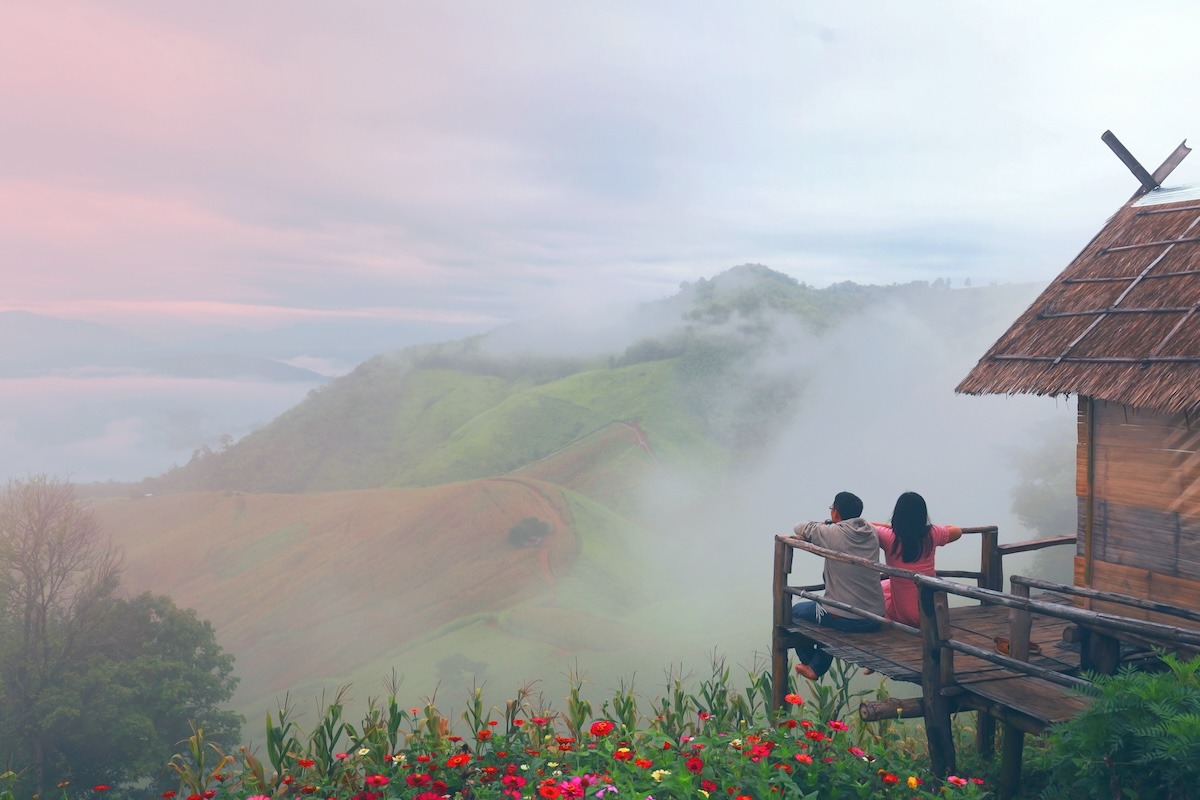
126	428
486	161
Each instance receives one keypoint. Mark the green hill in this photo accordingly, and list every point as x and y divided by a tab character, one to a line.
368	528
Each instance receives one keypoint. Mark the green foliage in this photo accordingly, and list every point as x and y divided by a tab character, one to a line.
96	688
834	699
1140	738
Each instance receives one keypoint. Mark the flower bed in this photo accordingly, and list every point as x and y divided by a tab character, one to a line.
730	747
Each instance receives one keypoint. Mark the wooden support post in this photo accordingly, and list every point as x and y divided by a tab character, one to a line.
985	735
782	616
1011	750
935	628
1098	652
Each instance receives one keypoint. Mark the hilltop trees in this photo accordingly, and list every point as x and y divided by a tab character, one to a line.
94	687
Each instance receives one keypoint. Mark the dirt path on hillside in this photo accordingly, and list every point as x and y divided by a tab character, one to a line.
641	437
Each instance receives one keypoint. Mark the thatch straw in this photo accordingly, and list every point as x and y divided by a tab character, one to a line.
1121	323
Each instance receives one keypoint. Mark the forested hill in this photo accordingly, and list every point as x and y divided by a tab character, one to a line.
693	370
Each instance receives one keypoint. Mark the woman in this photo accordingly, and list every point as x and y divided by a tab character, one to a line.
909	543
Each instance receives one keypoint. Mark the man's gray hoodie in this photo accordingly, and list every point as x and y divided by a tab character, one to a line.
848	583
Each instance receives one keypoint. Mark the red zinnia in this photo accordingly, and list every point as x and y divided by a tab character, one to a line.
376	780
549	791
838	725
622	754
103	787
644	763
458	760
306	762
602	727
794	699
694	765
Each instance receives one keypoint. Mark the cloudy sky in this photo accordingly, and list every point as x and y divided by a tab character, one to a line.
476	162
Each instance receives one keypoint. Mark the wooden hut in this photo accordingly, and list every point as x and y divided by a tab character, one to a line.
1120	330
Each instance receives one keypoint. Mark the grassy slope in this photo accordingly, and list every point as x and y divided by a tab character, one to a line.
323	588
532	424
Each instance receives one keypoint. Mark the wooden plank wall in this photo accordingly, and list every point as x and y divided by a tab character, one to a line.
1145	537
1141	583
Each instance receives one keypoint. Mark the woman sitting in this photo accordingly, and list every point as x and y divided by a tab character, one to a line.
908	543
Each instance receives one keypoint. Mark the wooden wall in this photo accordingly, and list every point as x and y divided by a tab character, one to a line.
1144	536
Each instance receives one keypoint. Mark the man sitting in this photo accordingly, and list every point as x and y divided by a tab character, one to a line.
846	532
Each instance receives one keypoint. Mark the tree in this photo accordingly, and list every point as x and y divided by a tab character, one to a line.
93	687
56	569
148	671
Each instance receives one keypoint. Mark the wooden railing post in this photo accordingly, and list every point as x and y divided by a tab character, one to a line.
937	664
782	616
1012	745
991	567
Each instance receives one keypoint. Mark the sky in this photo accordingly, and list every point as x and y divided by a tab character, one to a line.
257	164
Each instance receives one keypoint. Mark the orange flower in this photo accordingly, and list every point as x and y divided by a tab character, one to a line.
794	699
458	760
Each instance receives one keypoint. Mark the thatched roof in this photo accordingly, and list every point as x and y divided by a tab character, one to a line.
1121	323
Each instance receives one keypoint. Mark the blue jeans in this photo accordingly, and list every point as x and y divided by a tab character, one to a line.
814	655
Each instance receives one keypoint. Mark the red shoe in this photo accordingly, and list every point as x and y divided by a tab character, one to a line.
806	671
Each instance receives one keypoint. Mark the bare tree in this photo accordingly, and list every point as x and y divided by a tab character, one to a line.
55	566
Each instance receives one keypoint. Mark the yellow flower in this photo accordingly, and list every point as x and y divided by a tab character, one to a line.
659	774
913	782
366	751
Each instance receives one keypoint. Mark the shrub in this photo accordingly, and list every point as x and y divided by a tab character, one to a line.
529	532
1139	739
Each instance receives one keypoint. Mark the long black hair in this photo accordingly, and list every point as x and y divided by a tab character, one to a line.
910	523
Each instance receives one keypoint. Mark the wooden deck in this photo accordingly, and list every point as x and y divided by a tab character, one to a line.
954	657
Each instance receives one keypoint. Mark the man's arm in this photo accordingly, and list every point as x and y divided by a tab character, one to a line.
808	530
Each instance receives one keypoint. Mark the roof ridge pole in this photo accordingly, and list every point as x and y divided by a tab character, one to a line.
1131	163
1172	161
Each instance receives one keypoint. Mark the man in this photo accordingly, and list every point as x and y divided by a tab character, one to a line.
846	532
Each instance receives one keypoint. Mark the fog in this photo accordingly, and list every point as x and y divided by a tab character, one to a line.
879	417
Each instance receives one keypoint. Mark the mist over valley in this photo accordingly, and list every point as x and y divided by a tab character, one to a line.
597	495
